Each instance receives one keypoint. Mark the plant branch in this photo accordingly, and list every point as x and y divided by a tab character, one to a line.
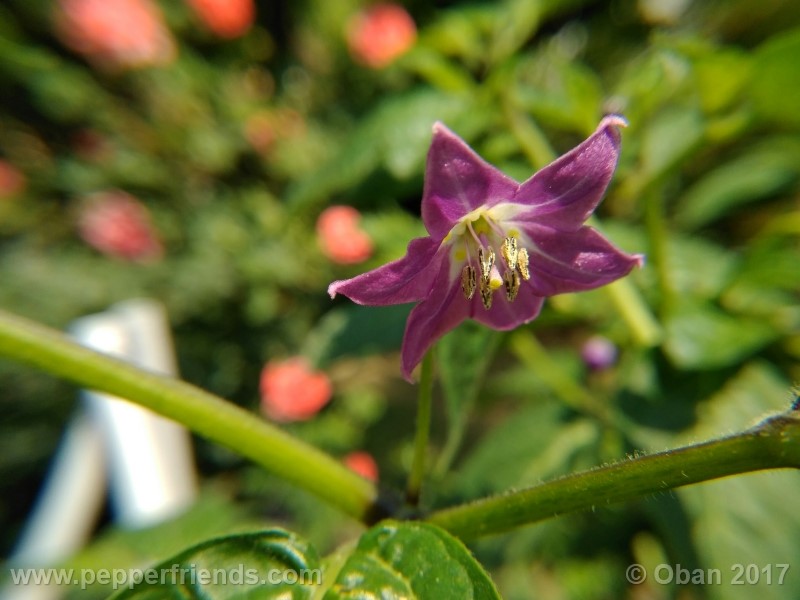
275	450
774	443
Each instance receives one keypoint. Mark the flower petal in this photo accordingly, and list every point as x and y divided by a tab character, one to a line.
565	192
457	181
573	261
408	279
505	315
440	312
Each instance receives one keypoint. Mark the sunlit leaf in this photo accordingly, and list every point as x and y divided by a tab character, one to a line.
775	87
702	337
759	173
413	561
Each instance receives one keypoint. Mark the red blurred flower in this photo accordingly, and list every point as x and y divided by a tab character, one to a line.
340	238
115	33
117	224
225	18
12	181
292	391
379	34
363	464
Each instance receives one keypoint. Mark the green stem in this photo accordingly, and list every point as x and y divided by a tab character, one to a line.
774	443
417	473
631	306
659	246
633	309
208	415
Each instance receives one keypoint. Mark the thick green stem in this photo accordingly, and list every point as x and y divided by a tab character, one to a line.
774	443
209	416
417	473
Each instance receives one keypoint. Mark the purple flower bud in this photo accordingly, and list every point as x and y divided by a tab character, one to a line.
599	352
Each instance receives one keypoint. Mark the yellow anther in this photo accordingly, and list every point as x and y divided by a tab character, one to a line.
486	294
468	281
509	252
512	283
486	258
522	264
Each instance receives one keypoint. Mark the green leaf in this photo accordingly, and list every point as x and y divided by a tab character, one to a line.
775	87
533	444
559	92
721	74
705	278
760	173
238	566
411	560
702	337
745	520
396	135
354	330
668	140
464	357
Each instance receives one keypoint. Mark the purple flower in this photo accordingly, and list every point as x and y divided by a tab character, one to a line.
488	232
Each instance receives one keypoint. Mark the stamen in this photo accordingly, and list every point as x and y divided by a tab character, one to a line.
522	264
512	283
474	235
509	252
468	281
486	294
486	258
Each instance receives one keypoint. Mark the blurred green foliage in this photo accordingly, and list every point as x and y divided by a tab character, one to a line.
239	145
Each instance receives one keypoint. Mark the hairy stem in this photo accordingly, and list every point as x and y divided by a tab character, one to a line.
774	443
203	413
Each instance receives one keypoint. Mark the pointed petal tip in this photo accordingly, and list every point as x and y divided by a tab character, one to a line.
640	260
440	129
613	120
332	289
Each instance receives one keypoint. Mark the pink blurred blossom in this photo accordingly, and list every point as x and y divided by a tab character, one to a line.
363	464
379	34
292	391
12	181
340	237
115	34
117	224
226	18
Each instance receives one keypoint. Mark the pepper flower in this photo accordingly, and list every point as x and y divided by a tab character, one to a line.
497	248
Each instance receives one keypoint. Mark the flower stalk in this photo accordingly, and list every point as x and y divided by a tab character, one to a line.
424	408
